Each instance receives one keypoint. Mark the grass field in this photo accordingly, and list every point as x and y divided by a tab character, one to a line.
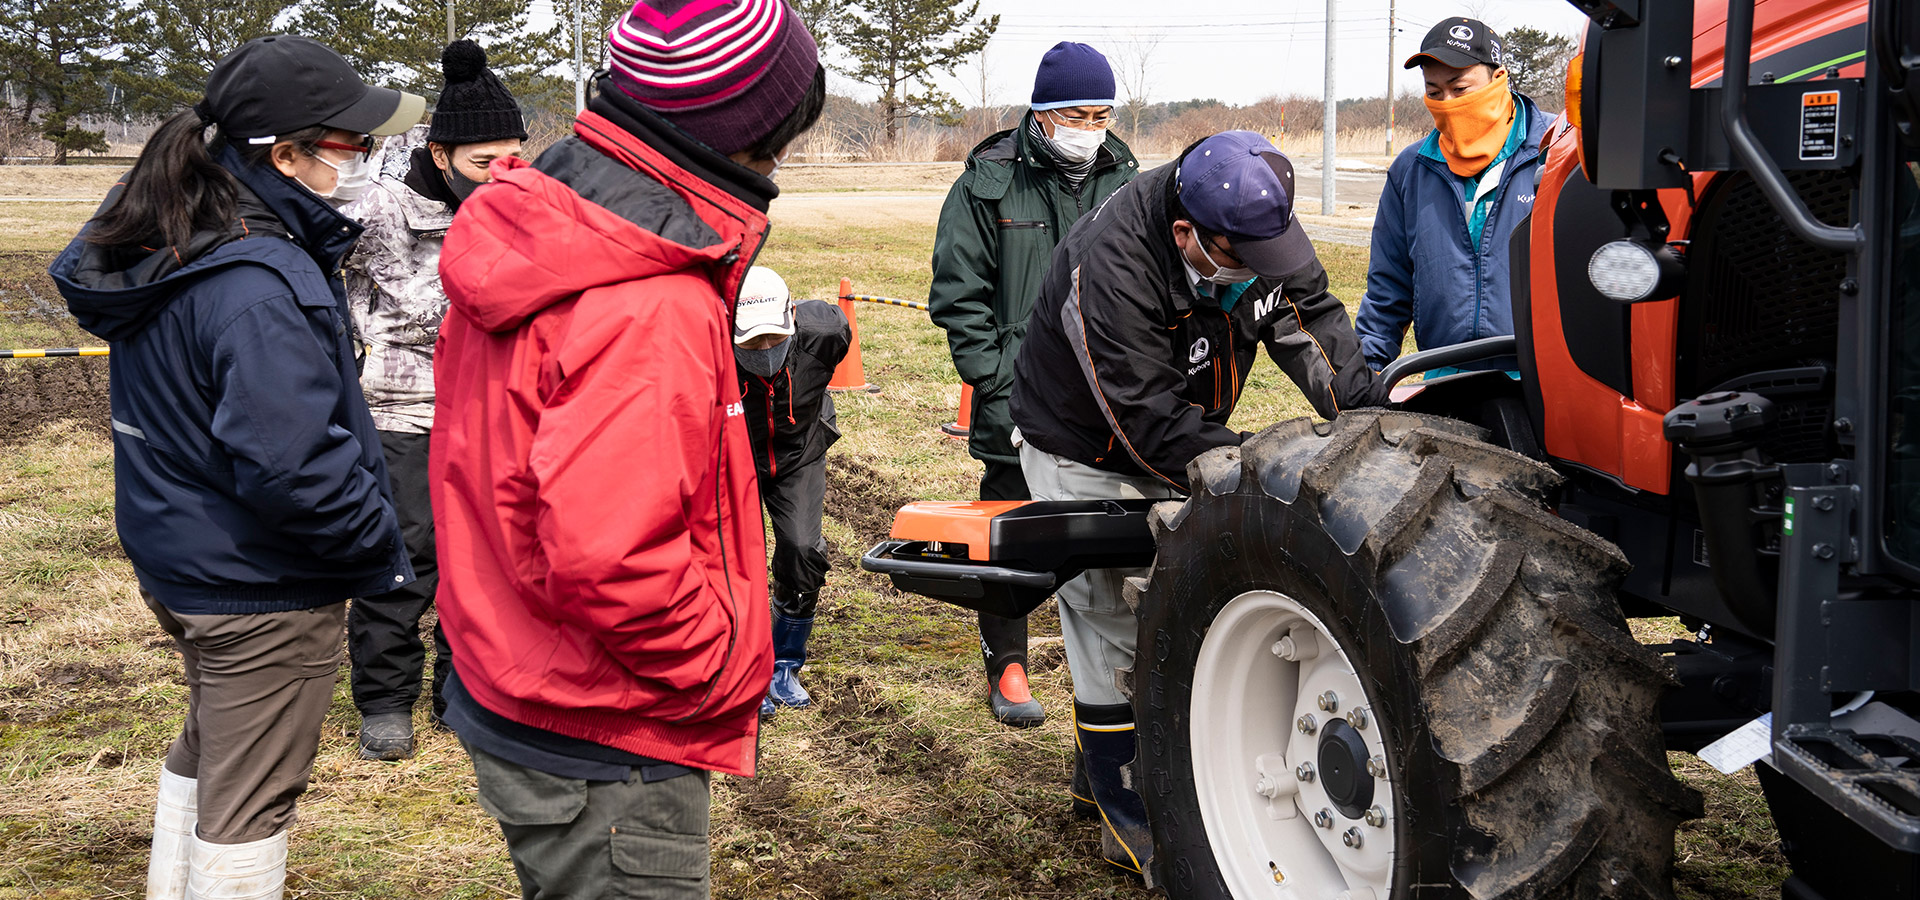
896	785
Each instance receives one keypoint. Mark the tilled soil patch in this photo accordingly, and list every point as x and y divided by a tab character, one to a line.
35	392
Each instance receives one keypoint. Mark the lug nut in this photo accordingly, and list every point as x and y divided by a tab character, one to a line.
1306	724
1329	702
1296	649
1323	818
1377	767
1358	717
1265	787
1304	772
1376	816
1351	837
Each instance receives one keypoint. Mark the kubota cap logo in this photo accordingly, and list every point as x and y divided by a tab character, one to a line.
1461	32
1200	350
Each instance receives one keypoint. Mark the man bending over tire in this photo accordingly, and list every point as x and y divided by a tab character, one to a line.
1136	352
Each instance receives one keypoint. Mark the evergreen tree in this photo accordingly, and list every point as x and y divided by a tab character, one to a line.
58	54
1537	65
172	45
397	44
899	46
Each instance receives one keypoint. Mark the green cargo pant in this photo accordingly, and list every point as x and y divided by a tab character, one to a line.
585	840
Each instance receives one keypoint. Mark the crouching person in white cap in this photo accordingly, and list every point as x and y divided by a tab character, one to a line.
786	353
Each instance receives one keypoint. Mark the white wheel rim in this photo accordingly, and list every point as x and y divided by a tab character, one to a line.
1259	816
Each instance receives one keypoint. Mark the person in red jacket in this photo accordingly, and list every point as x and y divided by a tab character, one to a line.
603	577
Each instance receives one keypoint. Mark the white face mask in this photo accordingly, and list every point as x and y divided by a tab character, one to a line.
1077	145
1221	274
354	176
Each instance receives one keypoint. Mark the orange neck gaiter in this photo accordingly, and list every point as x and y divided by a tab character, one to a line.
1473	128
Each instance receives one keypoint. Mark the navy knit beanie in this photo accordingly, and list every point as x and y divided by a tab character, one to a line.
1073	75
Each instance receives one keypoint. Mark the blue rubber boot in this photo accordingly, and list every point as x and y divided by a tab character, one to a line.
1105	738
789	654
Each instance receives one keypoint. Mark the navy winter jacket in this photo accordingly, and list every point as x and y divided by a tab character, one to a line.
247	474
1425	269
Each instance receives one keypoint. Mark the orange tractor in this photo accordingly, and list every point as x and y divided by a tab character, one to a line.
1388	657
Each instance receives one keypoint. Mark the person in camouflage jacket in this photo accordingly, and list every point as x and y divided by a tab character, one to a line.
393	287
1021	191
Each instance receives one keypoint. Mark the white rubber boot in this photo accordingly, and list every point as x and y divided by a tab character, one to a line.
252	871
174	816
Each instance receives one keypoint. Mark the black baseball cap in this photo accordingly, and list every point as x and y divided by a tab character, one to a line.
1237	185
281	83
1460	42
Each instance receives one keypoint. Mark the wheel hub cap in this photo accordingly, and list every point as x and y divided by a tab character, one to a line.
1286	804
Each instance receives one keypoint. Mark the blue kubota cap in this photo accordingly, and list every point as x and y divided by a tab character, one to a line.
1237	185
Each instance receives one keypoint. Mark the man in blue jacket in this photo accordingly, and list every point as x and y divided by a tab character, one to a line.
1452	202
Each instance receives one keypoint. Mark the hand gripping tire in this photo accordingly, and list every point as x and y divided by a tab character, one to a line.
1373	666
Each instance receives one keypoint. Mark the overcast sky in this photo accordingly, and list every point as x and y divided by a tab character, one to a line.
1236	51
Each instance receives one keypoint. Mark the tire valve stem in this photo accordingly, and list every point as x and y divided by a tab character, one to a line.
1306	724
1329	702
1377	767
1376	816
1324	818
1279	877
1351	837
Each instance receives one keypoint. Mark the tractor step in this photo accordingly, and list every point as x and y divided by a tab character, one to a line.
1872	778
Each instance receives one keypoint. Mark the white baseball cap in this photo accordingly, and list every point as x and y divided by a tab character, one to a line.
765	306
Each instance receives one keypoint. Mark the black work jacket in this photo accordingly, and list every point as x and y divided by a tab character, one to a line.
790	418
1126	369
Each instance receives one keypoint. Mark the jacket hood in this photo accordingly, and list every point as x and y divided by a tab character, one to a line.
115	291
597	209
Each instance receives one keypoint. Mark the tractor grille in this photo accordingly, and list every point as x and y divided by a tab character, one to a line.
1761	300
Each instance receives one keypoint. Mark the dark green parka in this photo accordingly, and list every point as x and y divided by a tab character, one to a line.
997	231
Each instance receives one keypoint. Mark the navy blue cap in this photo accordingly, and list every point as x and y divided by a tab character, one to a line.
1072	75
1237	185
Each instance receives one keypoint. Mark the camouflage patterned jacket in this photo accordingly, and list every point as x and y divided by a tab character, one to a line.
393	285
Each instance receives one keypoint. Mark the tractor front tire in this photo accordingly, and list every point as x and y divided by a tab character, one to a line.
1372	665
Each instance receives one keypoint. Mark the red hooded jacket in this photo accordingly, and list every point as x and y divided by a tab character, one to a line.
602	560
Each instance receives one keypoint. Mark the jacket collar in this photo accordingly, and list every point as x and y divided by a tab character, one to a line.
735	207
311	223
681	149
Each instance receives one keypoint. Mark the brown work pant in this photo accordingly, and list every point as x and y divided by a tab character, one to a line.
258	686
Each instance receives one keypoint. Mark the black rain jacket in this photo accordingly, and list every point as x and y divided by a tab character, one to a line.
1125	369
790	418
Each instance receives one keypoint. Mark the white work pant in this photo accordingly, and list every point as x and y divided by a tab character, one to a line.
1095	622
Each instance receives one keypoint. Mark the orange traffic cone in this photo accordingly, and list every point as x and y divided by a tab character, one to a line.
962	426
850	375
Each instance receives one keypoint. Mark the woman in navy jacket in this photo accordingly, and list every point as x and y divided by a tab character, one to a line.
250	491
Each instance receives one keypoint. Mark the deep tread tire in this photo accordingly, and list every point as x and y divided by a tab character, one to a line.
1520	715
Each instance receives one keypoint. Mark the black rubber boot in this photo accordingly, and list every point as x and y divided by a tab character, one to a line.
1003	648
1105	738
388	736
1079	790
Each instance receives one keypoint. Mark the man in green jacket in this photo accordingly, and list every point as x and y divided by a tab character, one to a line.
1022	189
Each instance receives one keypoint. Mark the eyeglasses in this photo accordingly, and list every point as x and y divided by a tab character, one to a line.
364	148
1084	122
1225	248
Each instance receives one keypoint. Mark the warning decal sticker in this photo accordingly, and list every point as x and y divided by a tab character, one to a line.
1820	125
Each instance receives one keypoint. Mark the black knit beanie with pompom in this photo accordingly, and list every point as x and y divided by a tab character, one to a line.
474	107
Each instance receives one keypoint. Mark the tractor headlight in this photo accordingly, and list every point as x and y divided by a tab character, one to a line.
1627	271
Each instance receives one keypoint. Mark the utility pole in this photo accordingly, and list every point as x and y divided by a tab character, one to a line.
1327	126
579	57
1390	16
450	35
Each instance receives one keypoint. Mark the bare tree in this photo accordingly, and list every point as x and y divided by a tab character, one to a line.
1133	69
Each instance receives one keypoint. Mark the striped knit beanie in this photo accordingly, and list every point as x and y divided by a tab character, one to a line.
726	72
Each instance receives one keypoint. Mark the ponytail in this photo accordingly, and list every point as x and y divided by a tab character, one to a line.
176	189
